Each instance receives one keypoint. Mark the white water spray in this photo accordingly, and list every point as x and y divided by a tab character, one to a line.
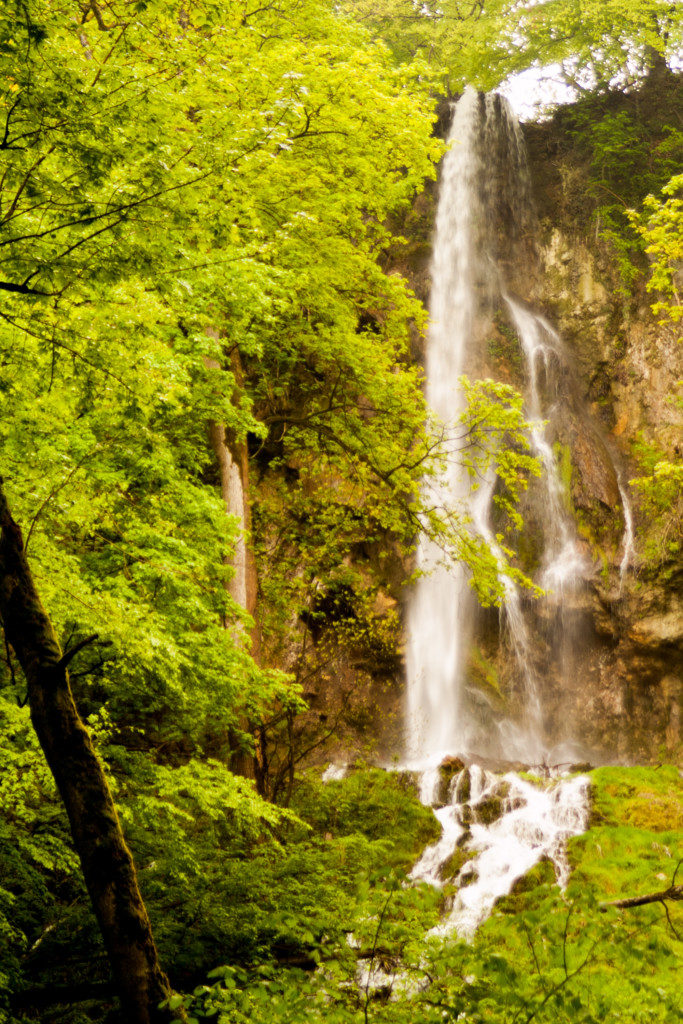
485	196
531	823
440	613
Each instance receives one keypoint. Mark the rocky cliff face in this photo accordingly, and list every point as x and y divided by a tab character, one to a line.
627	700
627	697
614	685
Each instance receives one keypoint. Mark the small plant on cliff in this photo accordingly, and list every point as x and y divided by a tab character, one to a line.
661	228
661	490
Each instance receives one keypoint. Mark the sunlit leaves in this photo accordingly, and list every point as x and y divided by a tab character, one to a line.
661	228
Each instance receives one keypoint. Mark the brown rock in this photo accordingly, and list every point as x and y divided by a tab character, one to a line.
595	478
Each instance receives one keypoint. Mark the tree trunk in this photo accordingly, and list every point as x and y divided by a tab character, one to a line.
234	497
106	861
232	460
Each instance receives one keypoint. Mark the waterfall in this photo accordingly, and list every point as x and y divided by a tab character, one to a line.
465	282
441	609
495	827
628	546
564	565
485	217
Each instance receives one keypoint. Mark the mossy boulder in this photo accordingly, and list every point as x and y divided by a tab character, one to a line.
489	810
492	807
542	873
454	864
467	815
449	768
463	786
524	891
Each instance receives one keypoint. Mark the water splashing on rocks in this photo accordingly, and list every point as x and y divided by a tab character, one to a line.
494	830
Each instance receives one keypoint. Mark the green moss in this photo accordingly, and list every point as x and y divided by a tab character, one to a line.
504	347
467	815
632	844
529	550
645	798
483	673
465	786
528	889
449	767
489	810
587	530
542	873
456	861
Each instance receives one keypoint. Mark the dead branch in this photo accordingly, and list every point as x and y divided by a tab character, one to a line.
673	892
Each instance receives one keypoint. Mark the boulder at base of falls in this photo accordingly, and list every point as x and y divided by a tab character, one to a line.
448	769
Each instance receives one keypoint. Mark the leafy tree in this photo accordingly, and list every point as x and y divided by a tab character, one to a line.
178	186
661	227
107	864
481	43
194	211
146	197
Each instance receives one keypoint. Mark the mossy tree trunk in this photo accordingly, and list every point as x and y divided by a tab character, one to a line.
107	864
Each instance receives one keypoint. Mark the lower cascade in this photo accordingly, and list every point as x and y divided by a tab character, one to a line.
496	827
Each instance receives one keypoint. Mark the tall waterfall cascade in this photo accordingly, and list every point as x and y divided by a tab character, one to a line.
503	824
484	225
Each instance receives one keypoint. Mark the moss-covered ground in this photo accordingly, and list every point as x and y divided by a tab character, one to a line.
544	955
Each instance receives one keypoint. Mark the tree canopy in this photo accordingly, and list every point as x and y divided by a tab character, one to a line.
592	44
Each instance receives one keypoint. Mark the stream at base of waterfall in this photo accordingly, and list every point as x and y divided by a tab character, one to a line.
503	825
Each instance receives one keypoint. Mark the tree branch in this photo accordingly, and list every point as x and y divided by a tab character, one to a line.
68	656
673	892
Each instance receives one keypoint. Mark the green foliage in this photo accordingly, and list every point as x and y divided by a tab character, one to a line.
594	43
372	802
43	902
661	228
483	673
191	213
630	152
497	441
661	491
543	955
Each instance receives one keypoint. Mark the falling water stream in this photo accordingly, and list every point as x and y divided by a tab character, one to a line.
441	610
502	825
